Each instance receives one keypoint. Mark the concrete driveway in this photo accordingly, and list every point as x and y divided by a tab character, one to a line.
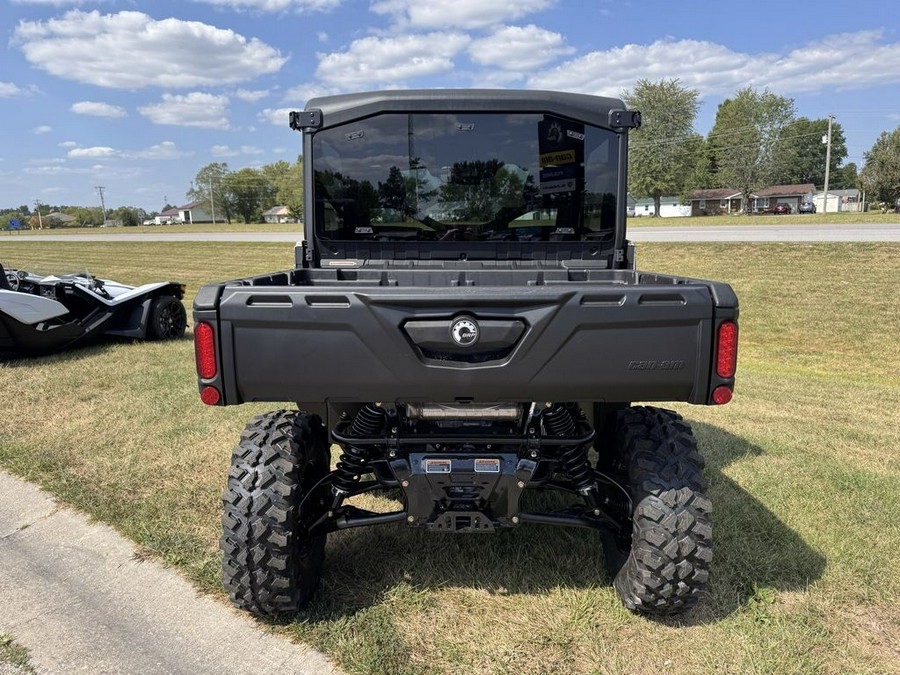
80	599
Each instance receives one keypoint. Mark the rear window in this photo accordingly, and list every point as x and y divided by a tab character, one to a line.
465	177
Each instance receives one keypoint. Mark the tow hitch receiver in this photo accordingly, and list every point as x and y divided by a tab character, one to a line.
463	492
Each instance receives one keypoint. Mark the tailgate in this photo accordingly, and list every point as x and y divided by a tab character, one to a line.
591	342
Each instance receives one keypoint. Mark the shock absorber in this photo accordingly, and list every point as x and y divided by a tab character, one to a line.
369	421
574	460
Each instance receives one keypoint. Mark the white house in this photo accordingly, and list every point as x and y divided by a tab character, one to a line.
189	213
278	214
669	207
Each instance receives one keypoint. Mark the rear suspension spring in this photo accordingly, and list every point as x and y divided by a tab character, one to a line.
369	421
558	421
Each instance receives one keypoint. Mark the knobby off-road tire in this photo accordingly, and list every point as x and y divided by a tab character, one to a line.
271	565
168	318
667	566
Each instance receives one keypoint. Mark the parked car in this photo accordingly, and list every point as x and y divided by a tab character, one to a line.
781	209
806	207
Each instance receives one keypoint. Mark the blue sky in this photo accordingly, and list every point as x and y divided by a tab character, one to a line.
136	95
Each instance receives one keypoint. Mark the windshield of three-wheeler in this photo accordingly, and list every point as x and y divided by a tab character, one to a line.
465	177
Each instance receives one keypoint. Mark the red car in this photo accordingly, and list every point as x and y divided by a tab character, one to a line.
781	209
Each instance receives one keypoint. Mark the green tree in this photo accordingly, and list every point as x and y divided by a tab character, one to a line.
747	140
663	153
129	216
845	178
292	196
247	191
209	189
805	152
881	173
481	188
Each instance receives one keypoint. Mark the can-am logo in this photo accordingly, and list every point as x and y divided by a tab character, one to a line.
464	332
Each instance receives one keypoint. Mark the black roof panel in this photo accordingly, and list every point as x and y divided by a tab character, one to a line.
345	108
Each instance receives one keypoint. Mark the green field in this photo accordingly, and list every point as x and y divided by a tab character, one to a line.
804	473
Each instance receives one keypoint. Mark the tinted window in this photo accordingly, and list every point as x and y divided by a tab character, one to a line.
465	177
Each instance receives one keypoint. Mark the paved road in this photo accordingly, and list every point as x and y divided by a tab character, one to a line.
884	232
79	598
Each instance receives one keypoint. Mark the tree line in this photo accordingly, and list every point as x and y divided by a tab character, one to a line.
247	193
243	194
757	140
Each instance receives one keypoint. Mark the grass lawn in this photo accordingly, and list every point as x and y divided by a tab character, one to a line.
804	473
14	655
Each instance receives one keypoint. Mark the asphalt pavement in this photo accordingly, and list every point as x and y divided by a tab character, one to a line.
80	599
789	232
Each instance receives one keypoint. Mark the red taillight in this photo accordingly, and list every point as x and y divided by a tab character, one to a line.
721	395
205	350
726	356
209	395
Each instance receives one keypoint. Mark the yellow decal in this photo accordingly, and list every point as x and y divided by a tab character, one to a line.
556	158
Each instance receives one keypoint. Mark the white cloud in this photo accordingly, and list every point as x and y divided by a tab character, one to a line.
845	61
372	61
43	129
276	5
323	36
227	151
251	96
94	152
224	151
54	170
164	150
8	89
301	93
467	14
519	48
68	144
130	50
53	160
98	109
209	111
276	116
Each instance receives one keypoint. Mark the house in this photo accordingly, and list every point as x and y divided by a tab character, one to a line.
669	207
728	200
838	200
715	202
630	205
792	195
195	212
278	214
57	219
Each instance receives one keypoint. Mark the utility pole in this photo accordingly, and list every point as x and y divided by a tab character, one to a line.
37	204
827	139
100	189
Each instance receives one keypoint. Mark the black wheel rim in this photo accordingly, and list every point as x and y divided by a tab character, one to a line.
172	320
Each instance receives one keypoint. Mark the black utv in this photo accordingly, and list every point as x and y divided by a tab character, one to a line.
465	320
